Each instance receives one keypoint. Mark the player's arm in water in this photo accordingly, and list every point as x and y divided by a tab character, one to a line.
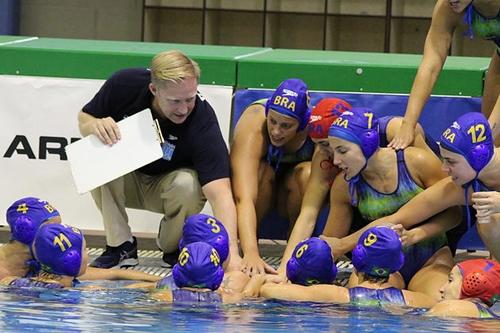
93	273
8	280
418	299
331	294
454	308
316	293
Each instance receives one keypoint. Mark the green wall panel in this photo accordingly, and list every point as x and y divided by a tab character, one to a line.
358	71
98	59
242	67
10	39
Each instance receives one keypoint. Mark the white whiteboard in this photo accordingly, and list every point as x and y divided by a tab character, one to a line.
94	163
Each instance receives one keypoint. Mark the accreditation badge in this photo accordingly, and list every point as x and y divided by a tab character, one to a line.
168	150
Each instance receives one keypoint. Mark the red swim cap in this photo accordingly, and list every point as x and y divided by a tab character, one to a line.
323	115
480	279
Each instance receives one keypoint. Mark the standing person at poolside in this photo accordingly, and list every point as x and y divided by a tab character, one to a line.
323	171
270	163
482	18
195	165
379	181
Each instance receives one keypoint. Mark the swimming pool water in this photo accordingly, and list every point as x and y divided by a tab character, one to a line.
121	310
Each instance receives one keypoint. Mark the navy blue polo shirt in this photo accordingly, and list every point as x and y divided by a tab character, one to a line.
197	143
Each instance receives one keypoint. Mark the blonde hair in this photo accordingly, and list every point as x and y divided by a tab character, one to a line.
173	66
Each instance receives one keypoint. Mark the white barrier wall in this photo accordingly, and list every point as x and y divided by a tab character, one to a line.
38	118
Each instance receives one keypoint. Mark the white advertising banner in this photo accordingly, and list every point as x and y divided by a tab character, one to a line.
38	118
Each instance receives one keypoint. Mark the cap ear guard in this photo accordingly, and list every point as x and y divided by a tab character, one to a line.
479	156
370	141
305	119
358	258
23	229
292	271
473	284
221	245
70	263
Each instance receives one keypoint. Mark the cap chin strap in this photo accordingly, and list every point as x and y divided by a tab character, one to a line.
274	152
468	21
475	188
353	182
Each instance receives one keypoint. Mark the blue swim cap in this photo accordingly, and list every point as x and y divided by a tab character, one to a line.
199	266
291	98
379	252
59	249
359	126
311	263
470	136
206	228
25	217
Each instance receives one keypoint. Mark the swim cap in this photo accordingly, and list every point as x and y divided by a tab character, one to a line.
359	126
59	249
311	263
470	136
25	217
324	114
206	228
480	279
379	252
198	267
291	99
